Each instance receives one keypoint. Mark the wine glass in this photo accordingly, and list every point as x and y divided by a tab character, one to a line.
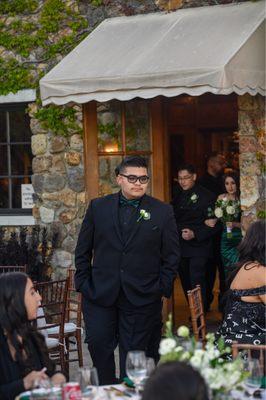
150	363
88	377
253	381
136	367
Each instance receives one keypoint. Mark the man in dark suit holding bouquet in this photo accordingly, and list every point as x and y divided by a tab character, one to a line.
126	258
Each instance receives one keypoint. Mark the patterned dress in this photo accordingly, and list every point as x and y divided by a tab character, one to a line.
244	322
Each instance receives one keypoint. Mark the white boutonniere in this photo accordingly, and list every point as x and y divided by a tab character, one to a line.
193	198
143	214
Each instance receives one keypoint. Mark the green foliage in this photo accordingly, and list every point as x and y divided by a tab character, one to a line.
261	214
17	6
57	31
57	119
14	76
97	3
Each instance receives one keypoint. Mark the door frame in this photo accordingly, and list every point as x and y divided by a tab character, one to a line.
159	165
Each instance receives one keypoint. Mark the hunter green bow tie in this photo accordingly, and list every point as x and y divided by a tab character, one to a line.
125	202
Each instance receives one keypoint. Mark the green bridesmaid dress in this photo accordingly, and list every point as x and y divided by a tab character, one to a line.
229	250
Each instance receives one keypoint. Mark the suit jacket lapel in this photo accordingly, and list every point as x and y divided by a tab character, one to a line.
144	205
115	205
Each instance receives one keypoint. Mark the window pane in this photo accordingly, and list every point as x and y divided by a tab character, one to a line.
137	125
3	193
21	159
107	181
16	191
3	126
109	126
19	126
3	160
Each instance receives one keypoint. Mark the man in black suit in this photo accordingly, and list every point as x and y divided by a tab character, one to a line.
191	208
212	180
127	257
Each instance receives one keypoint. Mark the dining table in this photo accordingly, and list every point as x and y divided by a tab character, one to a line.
122	392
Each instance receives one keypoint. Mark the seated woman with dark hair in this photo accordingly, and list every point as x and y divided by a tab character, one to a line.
175	381
23	354
244	319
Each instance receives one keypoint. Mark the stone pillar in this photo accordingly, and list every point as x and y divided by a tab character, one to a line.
58	182
252	148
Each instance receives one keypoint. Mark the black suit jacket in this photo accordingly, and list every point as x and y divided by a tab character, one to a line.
192	215
145	266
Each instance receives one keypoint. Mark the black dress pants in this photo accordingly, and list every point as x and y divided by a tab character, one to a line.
131	327
192	272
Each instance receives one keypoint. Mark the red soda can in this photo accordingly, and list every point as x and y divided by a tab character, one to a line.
71	391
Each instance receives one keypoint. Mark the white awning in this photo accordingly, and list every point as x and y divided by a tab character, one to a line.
217	49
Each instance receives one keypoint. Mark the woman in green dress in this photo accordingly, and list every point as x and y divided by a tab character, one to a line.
231	235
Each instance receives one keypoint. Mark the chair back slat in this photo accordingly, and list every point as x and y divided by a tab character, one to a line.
73	315
197	313
12	268
71	275
252	350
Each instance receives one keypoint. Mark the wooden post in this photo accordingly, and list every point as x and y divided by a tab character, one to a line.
91	170
160	184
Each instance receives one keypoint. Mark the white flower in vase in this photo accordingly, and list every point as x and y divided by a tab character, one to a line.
166	346
183	331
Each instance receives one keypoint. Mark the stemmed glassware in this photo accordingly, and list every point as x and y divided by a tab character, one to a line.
150	366
88	377
136	367
253	381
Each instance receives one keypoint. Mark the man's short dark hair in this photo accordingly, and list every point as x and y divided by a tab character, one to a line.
212	155
187	167
131	161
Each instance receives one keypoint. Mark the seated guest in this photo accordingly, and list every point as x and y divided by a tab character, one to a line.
175	381
23	354
244	319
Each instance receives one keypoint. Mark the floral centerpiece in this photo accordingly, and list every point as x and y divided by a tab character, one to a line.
221	373
227	211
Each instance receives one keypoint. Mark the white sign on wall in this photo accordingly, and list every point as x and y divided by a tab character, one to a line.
26	195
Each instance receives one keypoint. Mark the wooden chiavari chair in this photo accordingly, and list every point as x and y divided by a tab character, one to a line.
53	305
197	313
12	268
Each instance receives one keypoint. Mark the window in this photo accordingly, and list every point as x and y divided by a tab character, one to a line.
15	157
123	129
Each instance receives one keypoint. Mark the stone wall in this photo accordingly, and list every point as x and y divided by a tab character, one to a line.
58	181
252	147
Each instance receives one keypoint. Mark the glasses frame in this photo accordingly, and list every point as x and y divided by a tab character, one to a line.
185	178
135	178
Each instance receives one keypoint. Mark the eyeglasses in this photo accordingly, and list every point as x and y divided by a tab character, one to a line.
184	178
134	178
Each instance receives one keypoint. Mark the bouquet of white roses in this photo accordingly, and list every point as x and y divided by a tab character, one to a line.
220	373
227	211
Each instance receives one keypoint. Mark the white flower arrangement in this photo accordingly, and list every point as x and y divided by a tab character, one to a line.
220	373
143	214
227	211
